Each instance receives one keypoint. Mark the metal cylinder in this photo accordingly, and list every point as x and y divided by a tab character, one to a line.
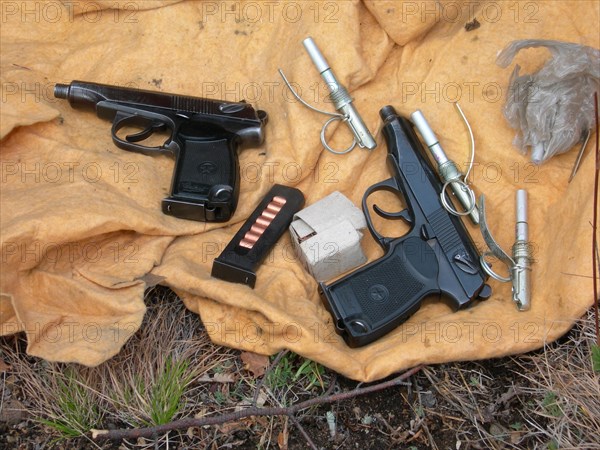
522	226
429	137
340	97
447	169
315	54
521	255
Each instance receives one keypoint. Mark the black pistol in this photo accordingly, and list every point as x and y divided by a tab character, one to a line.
437	255
204	137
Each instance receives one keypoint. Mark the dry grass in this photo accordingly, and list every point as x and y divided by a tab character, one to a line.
169	369
563	376
546	399
153	379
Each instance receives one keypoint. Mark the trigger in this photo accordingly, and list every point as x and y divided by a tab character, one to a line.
146	133
404	215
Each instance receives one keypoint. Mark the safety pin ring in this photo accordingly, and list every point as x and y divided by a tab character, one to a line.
333	116
324	140
488	269
465	187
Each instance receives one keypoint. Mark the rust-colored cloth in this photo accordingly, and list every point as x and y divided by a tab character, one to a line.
82	230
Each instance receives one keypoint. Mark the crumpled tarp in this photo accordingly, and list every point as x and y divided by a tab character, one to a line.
83	235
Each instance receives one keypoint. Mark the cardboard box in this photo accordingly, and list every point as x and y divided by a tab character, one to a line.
326	236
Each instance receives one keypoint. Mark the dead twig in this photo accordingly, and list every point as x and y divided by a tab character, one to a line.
595	226
304	434
289	411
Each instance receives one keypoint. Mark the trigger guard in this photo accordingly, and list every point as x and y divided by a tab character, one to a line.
129	143
386	185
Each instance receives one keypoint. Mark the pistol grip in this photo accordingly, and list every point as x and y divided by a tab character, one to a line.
375	299
205	182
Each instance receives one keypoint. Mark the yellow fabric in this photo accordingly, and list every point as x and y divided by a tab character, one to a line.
82	231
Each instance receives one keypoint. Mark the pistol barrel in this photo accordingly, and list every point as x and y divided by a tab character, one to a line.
61	91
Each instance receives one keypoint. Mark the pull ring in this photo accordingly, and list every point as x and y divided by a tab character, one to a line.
464	186
487	268
333	117
324	140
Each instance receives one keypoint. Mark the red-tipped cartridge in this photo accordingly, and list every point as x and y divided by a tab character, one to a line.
258	235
